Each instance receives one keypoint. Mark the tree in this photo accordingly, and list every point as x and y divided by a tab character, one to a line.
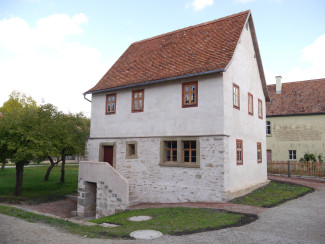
21	139
65	134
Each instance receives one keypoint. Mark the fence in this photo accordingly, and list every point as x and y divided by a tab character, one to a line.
289	168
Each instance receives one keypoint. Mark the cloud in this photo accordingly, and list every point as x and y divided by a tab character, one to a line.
244	1
310	64
44	63
198	5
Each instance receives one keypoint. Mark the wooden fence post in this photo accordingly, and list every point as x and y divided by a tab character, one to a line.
289	175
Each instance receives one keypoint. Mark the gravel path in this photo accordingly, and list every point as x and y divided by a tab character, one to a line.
297	221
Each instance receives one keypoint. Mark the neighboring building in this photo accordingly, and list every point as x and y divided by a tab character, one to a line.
181	116
295	119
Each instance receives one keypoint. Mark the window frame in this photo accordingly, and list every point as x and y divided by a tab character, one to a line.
268	126
259	152
235	86
190	150
195	104
250	95
106	103
241	152
260	109
292	153
171	150
180	154
128	155
138	99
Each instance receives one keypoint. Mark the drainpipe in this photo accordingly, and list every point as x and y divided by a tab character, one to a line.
86	98
278	84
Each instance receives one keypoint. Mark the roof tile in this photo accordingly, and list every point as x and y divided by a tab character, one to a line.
195	49
301	97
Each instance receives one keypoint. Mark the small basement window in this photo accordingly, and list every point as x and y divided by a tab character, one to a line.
131	150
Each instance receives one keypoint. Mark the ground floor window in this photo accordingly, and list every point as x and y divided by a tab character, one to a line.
259	152
180	152
131	150
239	151
292	155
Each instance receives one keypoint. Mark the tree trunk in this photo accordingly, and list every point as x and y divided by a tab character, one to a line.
3	166
48	172
62	167
19	178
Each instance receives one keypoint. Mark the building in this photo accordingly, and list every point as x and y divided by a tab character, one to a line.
295	119
179	117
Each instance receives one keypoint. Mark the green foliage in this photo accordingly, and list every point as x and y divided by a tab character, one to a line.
17	101
308	157
34	189
320	158
273	194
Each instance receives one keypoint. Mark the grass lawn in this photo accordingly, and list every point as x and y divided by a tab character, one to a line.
273	194
172	221
34	188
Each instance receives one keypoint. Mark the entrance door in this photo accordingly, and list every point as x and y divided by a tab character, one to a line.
108	155
269	155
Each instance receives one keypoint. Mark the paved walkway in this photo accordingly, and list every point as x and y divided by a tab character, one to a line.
297	221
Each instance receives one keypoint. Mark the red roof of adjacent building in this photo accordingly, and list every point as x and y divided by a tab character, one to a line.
195	50
301	97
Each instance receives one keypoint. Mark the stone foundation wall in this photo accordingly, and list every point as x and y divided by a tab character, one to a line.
154	183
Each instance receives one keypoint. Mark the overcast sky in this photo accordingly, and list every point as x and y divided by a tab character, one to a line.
54	50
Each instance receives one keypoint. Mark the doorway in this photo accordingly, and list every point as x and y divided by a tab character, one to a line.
108	155
269	155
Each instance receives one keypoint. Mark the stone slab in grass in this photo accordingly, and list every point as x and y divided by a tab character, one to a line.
146	234
139	218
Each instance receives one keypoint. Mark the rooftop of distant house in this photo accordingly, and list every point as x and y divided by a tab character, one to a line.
297	98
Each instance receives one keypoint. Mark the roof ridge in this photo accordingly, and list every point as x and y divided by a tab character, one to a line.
299	81
193	26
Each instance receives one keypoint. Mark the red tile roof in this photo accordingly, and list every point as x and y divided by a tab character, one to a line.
302	97
195	50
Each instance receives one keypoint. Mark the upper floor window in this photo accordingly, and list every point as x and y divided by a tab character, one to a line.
189	94
260	109
268	127
236	96
259	152
110	103
239	151
250	104
292	155
137	100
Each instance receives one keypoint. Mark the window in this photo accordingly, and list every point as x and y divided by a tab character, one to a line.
170	151
189	151
292	155
110	103
260	109
236	96
137	100
259	152
131	150
250	104
239	151
268	127
189	94
180	152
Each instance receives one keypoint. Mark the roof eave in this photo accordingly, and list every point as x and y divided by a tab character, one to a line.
156	81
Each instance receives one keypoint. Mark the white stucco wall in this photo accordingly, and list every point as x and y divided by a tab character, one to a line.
243	71
154	183
163	113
